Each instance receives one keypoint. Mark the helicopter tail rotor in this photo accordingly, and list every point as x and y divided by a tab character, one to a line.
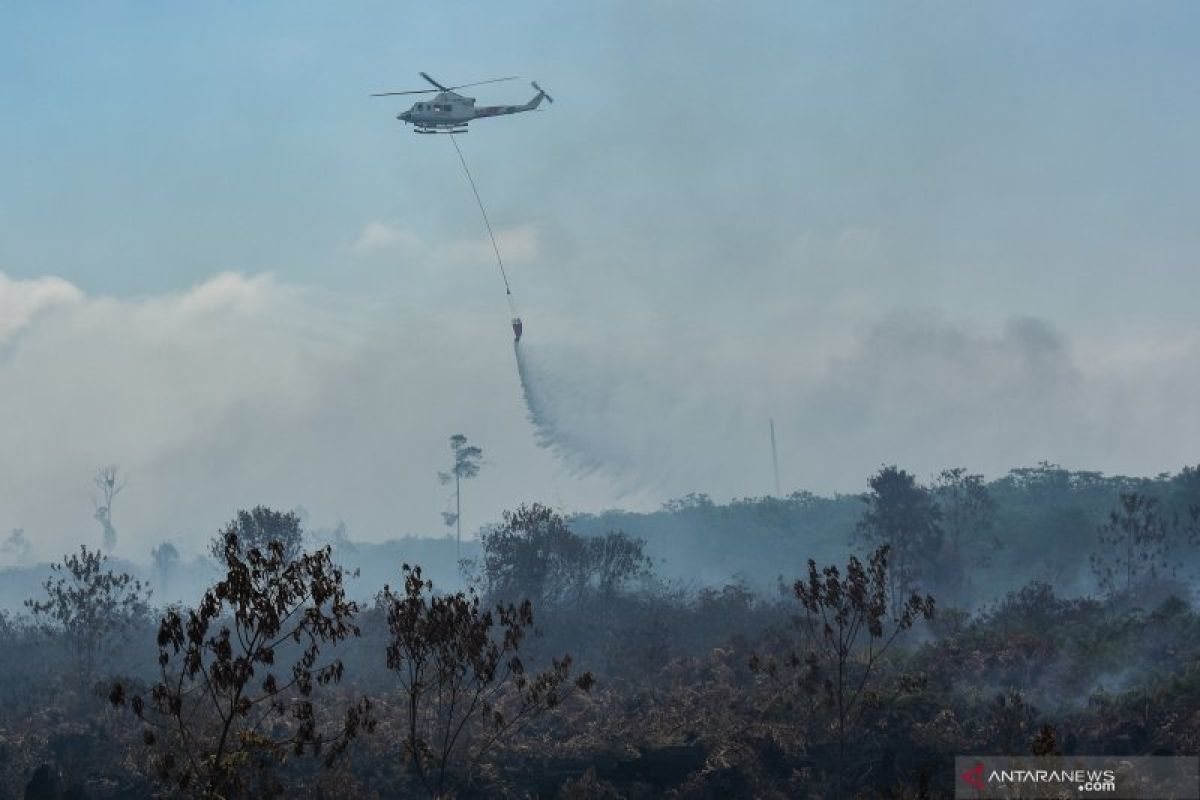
541	91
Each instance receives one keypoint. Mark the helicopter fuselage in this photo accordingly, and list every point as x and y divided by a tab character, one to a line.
450	112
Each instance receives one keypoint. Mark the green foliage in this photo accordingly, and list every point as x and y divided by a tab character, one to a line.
466	458
533	553
1132	544
902	515
466	465
257	529
968	513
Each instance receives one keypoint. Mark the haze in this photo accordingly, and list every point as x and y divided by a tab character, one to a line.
924	234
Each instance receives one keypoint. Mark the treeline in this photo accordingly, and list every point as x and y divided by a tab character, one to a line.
573	664
1040	519
1035	523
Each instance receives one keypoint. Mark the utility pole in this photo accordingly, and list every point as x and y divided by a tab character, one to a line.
774	458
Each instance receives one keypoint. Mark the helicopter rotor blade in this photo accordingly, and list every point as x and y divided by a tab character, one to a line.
441	88
414	91
425	75
480	83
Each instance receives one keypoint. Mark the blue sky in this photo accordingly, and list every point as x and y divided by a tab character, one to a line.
721	189
1019	149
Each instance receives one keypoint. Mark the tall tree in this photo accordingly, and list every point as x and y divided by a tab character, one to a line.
17	546
466	465
166	558
968	518
1133	544
257	529
902	515
109	483
534	553
615	559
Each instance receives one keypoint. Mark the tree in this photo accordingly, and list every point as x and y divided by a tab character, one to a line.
223	711
166	560
533	553
1132	544
848	630
466	466
902	515
110	484
968	515
89	604
464	683
616	559
257	528
17	546
689	502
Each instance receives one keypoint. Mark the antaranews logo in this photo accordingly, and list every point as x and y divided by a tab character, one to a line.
1077	777
974	776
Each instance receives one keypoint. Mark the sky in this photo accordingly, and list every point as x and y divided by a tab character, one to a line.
931	234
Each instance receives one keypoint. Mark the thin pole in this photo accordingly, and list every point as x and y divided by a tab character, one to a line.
774	458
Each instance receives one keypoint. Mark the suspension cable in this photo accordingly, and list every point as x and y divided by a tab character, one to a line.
482	211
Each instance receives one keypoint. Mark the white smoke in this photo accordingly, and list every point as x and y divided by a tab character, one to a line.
242	391
910	389
22	301
246	390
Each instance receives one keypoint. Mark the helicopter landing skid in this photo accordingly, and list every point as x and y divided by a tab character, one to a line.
440	130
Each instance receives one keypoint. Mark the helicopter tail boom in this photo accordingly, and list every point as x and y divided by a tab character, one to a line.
496	111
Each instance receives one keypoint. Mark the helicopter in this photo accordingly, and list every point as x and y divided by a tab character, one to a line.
449	112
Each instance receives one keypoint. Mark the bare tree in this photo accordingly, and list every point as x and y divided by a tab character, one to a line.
109	483
223	713
847	630
89	604
464	684
466	466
